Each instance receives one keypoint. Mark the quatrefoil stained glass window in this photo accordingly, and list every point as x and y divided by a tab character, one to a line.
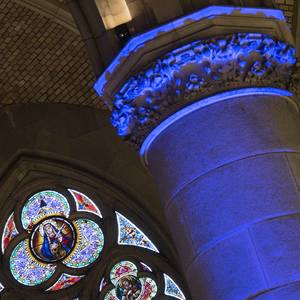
54	235
55	238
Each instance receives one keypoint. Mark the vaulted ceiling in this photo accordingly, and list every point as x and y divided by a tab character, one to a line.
42	56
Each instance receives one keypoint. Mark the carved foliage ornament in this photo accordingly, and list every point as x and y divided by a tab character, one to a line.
195	71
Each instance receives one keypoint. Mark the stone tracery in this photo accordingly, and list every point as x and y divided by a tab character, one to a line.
51	216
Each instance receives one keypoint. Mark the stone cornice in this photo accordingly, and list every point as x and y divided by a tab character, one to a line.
203	24
197	70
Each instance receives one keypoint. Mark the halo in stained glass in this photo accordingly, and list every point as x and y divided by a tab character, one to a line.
27	270
84	203
64	281
9	232
172	289
90	242
131	235
124	276
52	239
123	268
42	205
129	287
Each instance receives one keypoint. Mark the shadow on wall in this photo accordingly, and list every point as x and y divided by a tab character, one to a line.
78	136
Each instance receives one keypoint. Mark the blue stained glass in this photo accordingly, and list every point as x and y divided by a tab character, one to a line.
90	241
53	239
172	289
131	235
44	204
26	269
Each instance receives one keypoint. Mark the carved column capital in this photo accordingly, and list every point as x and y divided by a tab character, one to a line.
197	70
169	70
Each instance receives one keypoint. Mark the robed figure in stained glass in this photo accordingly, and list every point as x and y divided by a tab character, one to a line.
56	244
128	288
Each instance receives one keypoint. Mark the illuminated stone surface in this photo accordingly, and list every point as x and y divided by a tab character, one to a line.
218	126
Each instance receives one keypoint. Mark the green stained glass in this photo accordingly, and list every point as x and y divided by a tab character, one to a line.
26	269
42	205
90	242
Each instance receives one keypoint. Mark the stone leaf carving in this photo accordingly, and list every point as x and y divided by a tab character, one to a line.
195	71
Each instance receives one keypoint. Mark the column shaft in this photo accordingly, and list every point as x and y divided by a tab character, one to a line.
229	176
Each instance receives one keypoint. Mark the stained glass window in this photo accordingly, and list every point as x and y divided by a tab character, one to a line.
83	203
172	289
26	269
128	285
64	281
9	232
145	267
131	235
52	239
103	284
62	233
43	204
90	241
52	236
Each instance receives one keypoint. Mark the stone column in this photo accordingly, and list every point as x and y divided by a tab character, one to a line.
217	124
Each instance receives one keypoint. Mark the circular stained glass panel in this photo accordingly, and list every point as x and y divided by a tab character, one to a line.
52	239
128	287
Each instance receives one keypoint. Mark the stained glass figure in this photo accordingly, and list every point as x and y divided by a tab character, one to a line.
90	241
1	287
172	289
128	285
64	281
83	203
9	232
42	205
26	269
52	239
131	235
145	267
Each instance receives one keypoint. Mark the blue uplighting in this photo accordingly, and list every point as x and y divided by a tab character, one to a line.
203	103
135	43
197	69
